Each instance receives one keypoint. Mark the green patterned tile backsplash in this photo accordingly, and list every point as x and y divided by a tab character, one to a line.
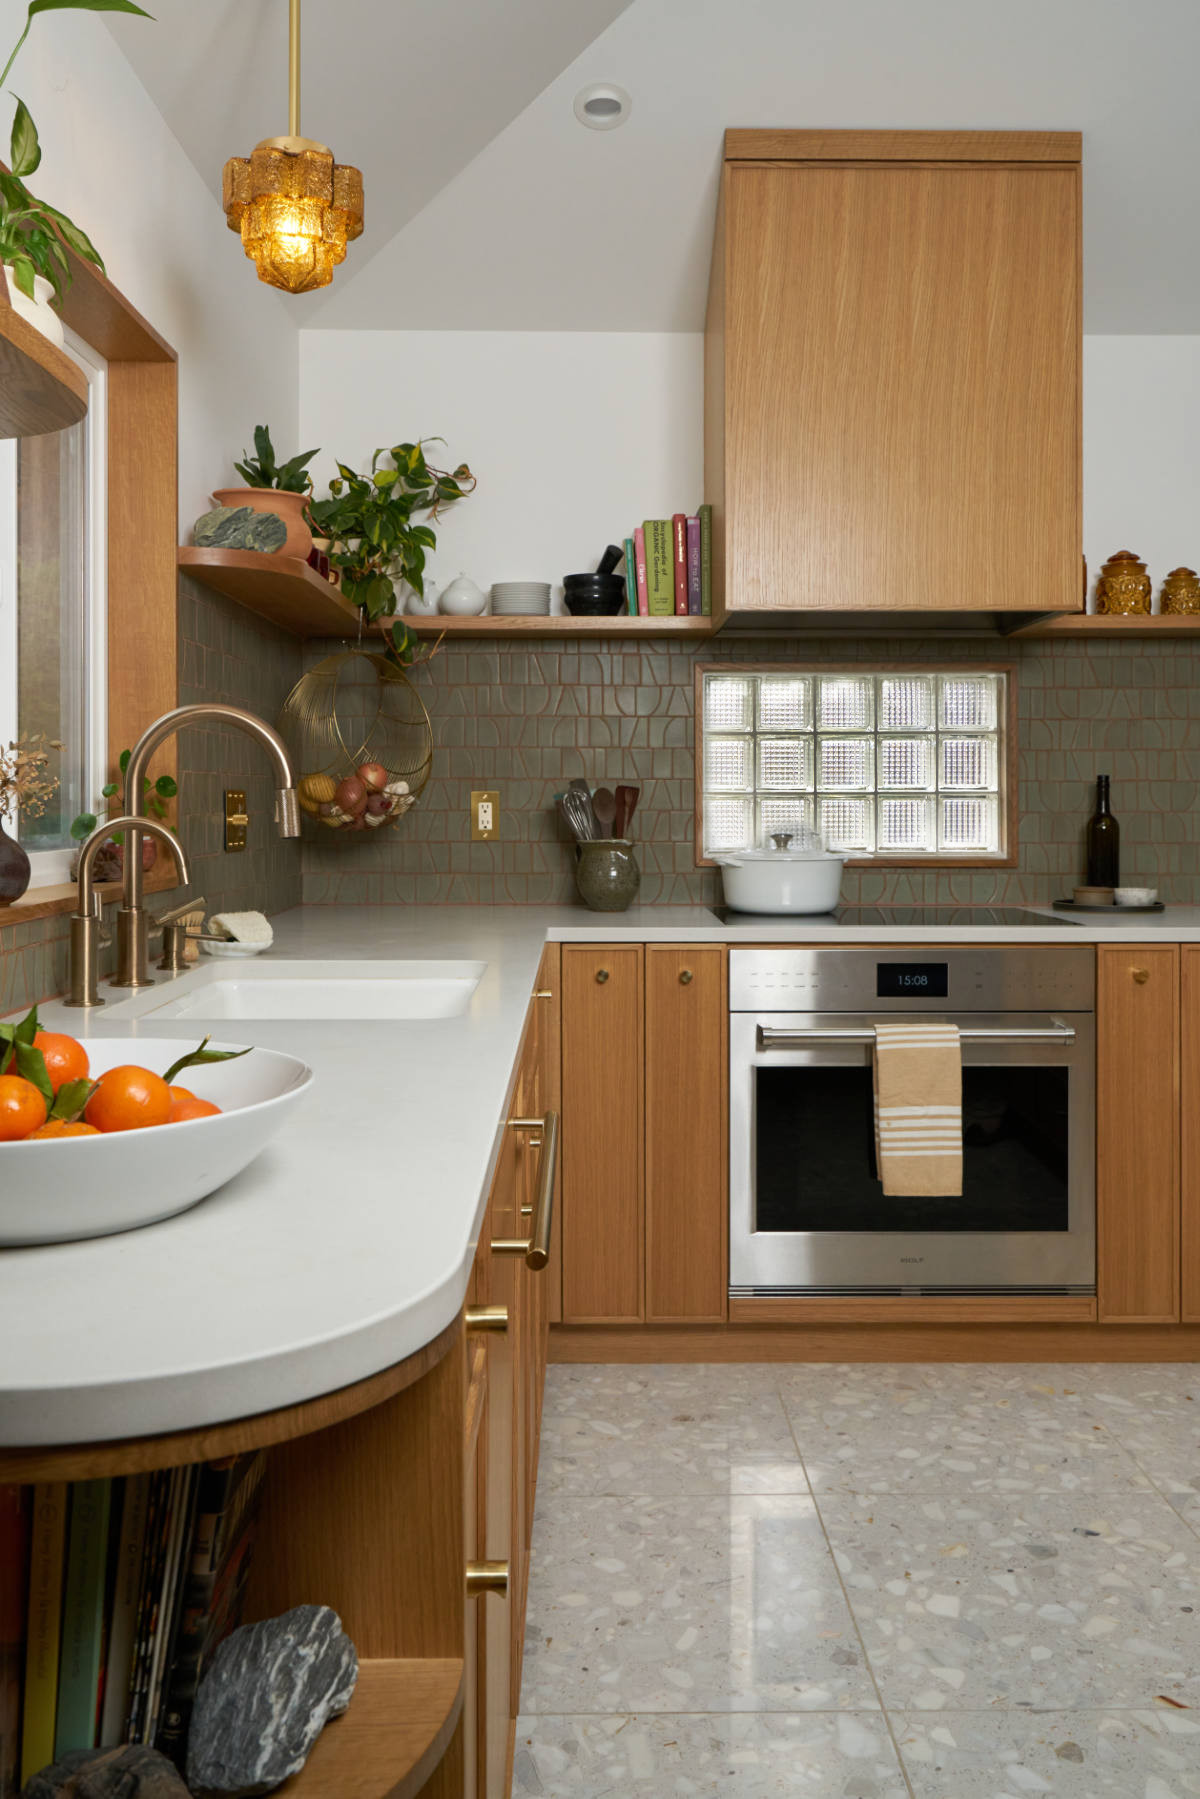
225	653
526	717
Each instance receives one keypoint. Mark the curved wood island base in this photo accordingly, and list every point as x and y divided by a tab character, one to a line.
405	1501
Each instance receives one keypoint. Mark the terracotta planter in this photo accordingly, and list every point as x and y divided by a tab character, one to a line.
287	506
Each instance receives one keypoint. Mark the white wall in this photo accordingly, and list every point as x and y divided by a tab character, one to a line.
1141	451
111	164
575	436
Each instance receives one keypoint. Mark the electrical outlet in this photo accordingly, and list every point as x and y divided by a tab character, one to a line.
485	817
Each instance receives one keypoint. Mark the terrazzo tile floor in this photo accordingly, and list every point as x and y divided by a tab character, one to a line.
870	1582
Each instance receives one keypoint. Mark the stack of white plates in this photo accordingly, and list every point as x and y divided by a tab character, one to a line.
510	598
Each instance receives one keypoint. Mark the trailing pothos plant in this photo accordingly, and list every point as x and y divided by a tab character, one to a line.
370	520
32	232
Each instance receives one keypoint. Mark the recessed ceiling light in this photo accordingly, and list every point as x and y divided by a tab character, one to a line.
602	107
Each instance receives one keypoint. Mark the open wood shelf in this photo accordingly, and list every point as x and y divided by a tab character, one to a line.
621	624
395	1732
41	389
285	589
1097	624
290	592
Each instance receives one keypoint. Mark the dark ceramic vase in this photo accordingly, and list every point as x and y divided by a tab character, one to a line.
14	869
607	874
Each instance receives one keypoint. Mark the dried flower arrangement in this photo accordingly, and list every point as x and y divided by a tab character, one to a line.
26	784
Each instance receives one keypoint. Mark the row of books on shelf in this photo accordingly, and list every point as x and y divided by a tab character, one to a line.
113	1596
668	566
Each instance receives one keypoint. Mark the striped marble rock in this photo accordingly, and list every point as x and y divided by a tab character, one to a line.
268	1694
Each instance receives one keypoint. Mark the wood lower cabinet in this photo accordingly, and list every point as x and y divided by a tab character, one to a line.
1189	1092
602	1093
687	1234
502	1474
1138	1133
893	372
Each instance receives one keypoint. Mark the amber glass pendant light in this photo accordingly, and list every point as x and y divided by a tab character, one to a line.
295	207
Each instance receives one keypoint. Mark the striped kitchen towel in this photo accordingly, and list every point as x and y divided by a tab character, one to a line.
918	1108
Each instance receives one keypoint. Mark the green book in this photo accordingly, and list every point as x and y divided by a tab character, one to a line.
83	1617
630	577
46	1555
704	513
660	568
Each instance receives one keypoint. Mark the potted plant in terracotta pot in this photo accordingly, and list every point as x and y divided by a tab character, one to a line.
279	487
35	236
26	785
110	857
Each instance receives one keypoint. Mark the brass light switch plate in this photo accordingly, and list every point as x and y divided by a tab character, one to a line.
236	819
485	817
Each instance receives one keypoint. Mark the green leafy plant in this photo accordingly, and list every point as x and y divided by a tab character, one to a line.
35	236
262	470
370	521
155	795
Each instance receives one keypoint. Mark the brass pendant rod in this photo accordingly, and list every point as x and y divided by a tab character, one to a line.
293	68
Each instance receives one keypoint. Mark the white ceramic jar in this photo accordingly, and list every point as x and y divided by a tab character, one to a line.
462	598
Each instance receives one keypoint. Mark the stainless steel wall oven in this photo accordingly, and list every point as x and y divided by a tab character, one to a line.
807	1211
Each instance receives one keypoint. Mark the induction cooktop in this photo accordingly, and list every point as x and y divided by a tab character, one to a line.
906	916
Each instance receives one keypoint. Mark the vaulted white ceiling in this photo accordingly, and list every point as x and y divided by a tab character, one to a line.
490	207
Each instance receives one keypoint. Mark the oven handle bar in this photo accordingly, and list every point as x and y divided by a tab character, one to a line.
770	1038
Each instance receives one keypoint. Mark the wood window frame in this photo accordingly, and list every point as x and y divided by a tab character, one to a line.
1009	794
143	532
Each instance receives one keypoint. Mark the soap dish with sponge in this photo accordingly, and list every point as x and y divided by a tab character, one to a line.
237	934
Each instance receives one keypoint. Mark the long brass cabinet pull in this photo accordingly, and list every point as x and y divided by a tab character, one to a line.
536	1249
487	1577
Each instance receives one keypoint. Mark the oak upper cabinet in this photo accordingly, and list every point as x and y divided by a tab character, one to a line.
1137	1133
602	1169
1189	1084
892	380
686	1143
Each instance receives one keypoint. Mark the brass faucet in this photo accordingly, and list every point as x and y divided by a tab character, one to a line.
132	924
85	920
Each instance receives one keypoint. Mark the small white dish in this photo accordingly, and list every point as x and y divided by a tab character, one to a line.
1135	896
231	950
76	1187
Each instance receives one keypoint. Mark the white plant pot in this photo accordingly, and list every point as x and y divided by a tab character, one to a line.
37	312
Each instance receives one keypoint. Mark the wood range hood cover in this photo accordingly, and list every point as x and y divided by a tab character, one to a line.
893	391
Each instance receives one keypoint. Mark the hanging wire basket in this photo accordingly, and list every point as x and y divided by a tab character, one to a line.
360	740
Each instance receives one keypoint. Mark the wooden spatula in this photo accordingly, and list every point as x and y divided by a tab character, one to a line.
627	799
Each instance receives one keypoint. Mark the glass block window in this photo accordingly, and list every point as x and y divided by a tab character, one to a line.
903	765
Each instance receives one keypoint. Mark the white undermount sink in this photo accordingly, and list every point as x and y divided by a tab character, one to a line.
367	990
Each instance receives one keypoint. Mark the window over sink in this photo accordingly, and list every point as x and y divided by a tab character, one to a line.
892	765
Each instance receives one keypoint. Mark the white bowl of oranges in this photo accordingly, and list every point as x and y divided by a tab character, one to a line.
116	1133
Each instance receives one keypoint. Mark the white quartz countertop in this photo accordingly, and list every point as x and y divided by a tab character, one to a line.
348	1244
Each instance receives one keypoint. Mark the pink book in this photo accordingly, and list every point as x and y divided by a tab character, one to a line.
639	553
693	567
679	542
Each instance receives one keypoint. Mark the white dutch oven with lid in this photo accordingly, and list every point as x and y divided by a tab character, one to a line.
805	879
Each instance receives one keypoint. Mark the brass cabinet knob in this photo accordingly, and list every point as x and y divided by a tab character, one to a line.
686	977
602	975
486	1318
487	1577
1140	975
